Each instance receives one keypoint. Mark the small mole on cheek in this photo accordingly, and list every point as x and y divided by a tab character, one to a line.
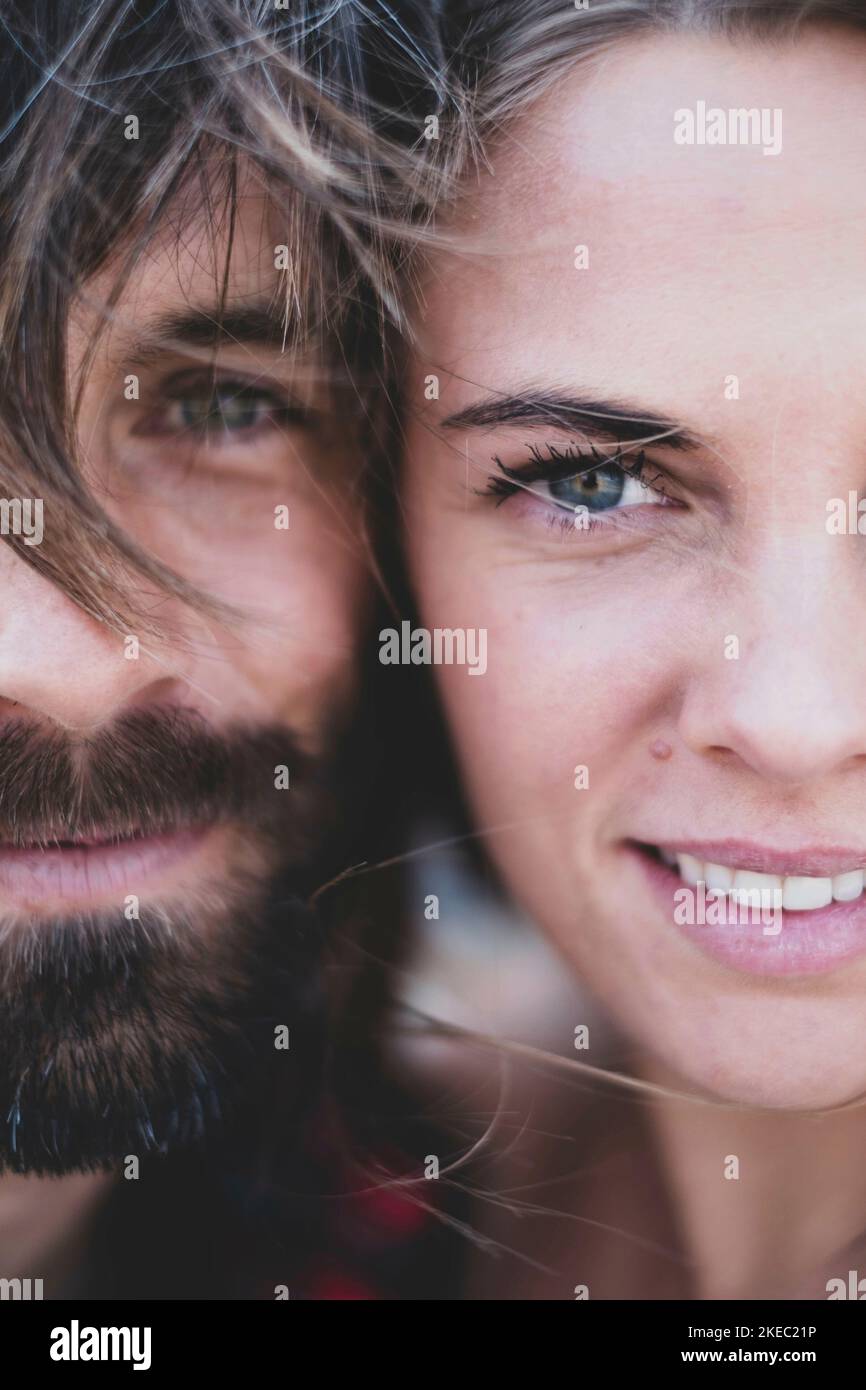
661	750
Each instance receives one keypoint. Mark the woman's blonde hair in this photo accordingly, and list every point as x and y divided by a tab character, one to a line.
504	54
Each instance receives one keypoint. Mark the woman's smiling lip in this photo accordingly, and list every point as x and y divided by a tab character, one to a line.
811	860
774	942
88	871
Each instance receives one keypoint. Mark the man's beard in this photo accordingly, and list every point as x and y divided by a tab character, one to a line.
127	1036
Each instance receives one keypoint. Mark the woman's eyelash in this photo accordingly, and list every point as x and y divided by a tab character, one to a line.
550	463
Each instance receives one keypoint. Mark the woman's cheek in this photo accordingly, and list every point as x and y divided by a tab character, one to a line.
565	683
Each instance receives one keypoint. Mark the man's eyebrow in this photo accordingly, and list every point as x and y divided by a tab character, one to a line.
616	420
208	327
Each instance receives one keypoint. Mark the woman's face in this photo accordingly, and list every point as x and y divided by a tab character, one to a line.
691	637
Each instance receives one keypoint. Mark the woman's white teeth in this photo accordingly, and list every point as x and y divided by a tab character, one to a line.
799	892
691	869
847	887
719	876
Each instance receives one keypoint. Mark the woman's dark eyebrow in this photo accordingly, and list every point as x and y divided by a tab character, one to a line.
614	420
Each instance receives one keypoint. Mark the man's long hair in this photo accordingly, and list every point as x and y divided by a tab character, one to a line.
118	114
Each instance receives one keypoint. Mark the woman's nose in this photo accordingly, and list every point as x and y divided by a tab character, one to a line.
784	689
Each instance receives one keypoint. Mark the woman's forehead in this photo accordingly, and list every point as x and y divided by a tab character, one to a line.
663	118
600	248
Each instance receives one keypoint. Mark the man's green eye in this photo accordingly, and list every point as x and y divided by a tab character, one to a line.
226	410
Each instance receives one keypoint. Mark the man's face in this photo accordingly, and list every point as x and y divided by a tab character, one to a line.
153	790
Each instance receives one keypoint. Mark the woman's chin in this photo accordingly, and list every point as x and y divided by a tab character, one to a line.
769	1082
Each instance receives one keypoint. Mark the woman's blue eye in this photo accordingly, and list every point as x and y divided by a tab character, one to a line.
578	481
597	490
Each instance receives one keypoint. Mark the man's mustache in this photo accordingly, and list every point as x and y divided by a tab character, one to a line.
148	773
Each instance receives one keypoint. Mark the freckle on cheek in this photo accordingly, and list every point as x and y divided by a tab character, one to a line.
661	750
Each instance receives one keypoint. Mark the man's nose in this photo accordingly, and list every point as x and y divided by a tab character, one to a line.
58	663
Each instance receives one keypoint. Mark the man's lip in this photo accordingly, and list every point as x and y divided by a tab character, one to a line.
811	861
99	871
97	840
